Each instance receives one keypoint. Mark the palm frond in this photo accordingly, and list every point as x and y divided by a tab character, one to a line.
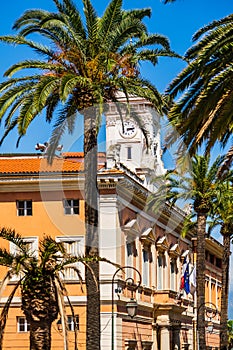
203	113
8	129
5	282
153	39
21	40
138	13
31	64
51	106
14	94
5	310
110	20
44	89
75	18
28	111
11	236
67	113
70	82
50	249
91	21
62	309
216	23
30	16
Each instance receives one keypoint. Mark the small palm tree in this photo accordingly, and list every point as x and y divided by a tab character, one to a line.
200	186
41	284
88	61
230	334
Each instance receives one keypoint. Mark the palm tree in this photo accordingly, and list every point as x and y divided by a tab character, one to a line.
223	215
41	285
88	61
230	333
203	113
200	186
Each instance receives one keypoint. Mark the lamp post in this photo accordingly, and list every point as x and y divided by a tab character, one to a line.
131	306
210	312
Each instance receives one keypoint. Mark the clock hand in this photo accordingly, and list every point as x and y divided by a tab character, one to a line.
130	128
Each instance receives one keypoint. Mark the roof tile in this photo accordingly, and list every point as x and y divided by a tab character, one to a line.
37	165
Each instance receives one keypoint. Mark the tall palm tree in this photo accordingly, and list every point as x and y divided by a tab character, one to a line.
203	110
41	285
223	215
89	59
200	186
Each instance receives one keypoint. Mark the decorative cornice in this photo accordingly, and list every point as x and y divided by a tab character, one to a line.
127	185
185	254
147	344
131	343
162	244
147	237
131	228
174	251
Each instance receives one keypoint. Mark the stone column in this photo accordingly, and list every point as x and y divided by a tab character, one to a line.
164	338
155	339
176	338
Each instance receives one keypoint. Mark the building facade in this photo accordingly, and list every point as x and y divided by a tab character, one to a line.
37	199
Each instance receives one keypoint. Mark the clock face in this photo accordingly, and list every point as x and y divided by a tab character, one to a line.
129	129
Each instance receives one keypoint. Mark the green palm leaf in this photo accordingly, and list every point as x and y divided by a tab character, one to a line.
202	113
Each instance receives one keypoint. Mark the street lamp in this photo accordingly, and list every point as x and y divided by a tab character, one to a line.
132	305
59	325
210	312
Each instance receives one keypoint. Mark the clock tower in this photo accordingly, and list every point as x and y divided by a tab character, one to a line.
125	142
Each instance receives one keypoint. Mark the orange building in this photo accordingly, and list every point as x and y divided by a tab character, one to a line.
37	199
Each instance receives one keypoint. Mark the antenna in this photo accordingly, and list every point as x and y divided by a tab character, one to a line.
44	146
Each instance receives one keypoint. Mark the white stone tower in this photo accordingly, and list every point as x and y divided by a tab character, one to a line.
126	146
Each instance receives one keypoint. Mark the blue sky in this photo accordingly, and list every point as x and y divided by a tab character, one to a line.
178	21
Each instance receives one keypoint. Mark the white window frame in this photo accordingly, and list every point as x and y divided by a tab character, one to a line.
74	246
173	276
73	322
129	258
25	208
131	231
24	324
129	152
69	206
33	241
160	271
146	267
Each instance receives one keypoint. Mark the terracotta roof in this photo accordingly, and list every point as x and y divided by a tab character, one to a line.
72	154
79	154
37	165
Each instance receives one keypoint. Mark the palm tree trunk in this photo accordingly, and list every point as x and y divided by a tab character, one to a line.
225	291
40	335
201	229
91	225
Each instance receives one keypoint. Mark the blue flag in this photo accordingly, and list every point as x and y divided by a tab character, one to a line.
186	279
185	276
